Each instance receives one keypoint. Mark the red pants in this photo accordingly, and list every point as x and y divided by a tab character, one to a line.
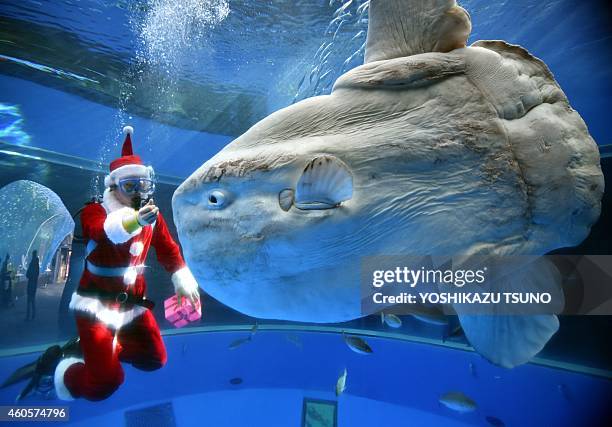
138	343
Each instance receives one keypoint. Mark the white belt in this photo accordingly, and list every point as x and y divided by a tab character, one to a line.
114	271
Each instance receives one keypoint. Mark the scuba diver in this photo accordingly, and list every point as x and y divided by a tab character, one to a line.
113	315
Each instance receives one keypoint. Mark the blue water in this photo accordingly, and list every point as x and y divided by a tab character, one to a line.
261	51
72	73
399	383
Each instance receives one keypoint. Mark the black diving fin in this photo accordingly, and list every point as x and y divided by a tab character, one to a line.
40	372
20	374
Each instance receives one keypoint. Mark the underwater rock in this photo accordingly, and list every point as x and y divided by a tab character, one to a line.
450	150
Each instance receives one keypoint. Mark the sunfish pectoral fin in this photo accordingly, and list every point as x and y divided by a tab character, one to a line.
325	183
509	340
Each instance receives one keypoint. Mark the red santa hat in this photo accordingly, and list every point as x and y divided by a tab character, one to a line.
129	164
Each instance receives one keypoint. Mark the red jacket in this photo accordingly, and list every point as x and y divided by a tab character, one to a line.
115	259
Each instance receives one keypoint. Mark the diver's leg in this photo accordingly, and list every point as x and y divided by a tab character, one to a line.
99	374
142	344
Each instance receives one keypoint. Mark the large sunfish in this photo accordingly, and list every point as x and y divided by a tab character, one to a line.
429	147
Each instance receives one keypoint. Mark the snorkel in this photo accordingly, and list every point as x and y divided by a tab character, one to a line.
138	190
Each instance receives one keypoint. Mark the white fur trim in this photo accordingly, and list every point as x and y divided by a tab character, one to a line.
128	130
113	226
111	202
183	279
109	316
58	378
136	248
129	277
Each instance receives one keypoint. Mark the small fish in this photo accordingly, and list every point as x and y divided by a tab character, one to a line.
495	422
338	30
236	381
345	64
299	86
343	7
564	392
313	72
237	343
295	340
359	34
363	46
325	74
432	319
361	9
357	344
341	383
326	49
327	87
391	320
473	370
332	23
323	46
326	56
457	401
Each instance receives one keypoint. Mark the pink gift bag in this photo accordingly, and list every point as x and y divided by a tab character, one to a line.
180	316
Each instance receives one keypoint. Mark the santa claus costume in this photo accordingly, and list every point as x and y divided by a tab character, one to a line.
113	316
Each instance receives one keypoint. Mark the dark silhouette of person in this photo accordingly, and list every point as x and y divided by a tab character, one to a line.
6	279
32	275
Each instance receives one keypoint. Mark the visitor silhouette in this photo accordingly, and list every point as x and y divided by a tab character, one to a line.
32	275
6	278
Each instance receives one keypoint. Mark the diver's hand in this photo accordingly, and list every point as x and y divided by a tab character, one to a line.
192	296
147	214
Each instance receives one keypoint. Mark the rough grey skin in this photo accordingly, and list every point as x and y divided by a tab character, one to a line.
452	150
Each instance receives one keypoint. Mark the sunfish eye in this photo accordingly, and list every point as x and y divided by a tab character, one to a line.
217	199
285	198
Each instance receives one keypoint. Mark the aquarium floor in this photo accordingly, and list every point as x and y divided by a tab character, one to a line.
265	381
277	408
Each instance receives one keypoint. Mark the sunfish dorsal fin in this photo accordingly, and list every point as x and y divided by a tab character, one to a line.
398	28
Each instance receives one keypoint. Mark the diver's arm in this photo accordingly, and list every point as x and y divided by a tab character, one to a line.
167	251
169	256
98	225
